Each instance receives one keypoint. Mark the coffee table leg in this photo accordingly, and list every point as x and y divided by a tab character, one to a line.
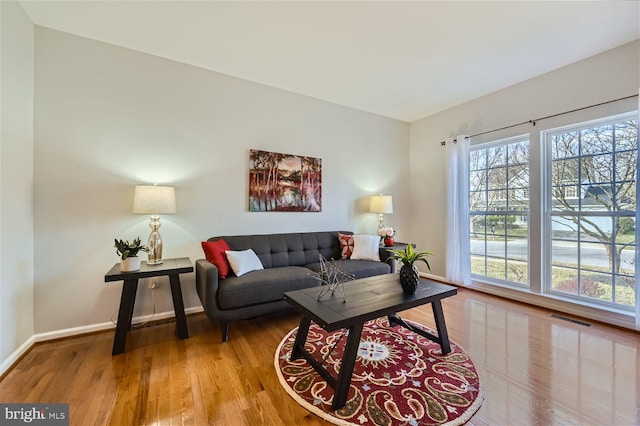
178	306
346	367
438	315
301	338
125	315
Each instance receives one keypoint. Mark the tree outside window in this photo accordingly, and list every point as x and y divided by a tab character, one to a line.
593	181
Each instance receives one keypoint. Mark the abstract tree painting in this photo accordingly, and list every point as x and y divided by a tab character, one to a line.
284	182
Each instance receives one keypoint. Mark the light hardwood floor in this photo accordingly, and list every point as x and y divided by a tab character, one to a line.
535	370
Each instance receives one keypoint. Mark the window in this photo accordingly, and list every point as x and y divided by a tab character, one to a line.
570	191
578	184
499	205
591	237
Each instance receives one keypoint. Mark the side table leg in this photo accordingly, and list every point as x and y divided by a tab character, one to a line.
346	367
125	315
301	338
438	315
178	306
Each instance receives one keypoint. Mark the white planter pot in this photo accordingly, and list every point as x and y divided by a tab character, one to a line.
130	264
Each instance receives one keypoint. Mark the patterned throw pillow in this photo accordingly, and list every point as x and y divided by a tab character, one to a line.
346	245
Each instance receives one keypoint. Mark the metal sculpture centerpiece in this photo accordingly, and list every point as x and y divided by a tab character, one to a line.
331	277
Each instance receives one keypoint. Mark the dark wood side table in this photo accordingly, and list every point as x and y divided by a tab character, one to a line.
171	267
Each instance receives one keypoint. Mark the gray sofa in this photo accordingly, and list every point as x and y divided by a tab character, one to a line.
288	260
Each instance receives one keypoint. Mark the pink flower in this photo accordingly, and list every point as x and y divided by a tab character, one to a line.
386	232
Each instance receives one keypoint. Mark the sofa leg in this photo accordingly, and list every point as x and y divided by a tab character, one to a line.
225	331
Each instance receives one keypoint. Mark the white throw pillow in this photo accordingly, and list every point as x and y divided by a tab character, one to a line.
366	247
243	261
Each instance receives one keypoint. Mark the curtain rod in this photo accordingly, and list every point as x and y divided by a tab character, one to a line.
533	122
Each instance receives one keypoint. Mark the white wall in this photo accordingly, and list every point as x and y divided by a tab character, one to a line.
16	180
108	118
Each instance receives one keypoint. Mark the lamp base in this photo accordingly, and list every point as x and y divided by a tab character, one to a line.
155	242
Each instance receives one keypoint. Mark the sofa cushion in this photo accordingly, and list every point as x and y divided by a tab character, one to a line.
294	249
263	286
366	247
358	268
243	261
214	251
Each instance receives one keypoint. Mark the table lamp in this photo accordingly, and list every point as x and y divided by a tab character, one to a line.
381	204
154	200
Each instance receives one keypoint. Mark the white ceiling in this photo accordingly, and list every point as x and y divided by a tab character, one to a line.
404	60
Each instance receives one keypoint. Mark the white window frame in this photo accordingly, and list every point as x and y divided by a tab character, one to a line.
548	213
493	280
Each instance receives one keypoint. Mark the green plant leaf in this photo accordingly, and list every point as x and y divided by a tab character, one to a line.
409	256
126	249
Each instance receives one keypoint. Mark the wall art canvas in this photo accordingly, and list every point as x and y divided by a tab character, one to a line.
284	182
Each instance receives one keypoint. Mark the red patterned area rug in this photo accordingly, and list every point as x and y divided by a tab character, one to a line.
400	378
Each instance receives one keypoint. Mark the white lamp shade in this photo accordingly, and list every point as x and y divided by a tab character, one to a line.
381	204
154	199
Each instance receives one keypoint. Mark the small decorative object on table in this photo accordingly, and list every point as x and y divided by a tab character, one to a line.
409	276
387	234
129	254
331	276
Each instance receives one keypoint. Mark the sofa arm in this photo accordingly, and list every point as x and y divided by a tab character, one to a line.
207	285
385	257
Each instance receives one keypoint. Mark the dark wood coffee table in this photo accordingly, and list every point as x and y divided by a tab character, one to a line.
366	299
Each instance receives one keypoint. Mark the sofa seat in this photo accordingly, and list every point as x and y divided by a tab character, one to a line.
358	268
263	286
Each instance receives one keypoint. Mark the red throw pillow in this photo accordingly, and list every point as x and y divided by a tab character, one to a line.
214	251
346	245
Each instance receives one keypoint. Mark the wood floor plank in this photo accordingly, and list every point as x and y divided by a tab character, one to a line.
535	369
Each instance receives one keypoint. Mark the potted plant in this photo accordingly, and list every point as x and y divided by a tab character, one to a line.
129	254
409	276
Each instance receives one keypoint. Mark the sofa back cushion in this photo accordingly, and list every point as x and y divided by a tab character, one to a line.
292	249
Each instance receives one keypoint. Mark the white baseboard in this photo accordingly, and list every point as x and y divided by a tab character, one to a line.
15	356
85	329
